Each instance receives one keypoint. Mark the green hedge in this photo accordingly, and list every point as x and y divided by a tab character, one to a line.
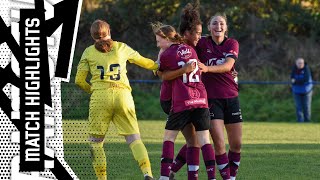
258	102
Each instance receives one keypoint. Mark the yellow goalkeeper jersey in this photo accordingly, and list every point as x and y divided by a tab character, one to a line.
110	67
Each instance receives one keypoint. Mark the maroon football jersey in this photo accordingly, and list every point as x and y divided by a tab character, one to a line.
165	91
188	91
218	85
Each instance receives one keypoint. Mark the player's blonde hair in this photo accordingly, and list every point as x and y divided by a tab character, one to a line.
167	32
100	29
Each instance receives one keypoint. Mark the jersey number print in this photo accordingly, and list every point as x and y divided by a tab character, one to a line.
114	75
193	77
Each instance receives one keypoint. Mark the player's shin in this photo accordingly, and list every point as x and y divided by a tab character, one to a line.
193	162
234	162
209	160
223	165
180	159
166	159
140	154
99	161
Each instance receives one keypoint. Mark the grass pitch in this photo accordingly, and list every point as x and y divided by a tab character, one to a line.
270	151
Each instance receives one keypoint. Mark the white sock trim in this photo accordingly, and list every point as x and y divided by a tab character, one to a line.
164	178
193	167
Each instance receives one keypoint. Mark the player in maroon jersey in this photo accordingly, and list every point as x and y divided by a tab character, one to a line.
191	28
189	101
218	53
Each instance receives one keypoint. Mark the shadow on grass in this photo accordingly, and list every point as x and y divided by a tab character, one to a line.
258	161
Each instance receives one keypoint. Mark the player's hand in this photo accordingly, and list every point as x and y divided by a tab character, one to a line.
189	67
155	72
234	73
159	73
203	68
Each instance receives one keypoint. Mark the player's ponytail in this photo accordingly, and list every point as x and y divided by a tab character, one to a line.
100	32
177	38
166	32
190	18
103	45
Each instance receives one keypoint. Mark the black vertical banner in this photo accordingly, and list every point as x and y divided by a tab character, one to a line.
33	72
34	81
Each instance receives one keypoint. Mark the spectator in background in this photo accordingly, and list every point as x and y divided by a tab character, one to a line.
301	80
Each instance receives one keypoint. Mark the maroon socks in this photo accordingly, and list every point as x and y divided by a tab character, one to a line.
166	158
223	166
234	162
209	160
180	159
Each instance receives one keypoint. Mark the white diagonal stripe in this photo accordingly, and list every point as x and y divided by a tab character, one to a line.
193	167
221	166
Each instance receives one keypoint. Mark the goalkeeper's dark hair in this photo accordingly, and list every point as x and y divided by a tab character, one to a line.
190	17
99	30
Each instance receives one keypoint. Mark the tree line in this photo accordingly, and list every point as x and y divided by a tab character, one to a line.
271	34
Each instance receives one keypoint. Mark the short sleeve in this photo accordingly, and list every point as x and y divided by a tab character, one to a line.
232	49
163	63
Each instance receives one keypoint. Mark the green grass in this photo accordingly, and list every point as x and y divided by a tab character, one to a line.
270	151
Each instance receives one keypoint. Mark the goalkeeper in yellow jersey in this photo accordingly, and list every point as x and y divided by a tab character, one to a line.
111	98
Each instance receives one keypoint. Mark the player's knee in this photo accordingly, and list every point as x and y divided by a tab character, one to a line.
192	142
96	138
235	147
131	138
219	144
170	135
96	145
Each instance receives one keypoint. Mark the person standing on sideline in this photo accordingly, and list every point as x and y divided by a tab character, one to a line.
301	80
218	53
111	99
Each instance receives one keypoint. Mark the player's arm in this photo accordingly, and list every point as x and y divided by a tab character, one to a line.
136	58
145	63
169	75
82	73
222	68
81	81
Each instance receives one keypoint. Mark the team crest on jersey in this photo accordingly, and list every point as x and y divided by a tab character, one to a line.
194	93
184	52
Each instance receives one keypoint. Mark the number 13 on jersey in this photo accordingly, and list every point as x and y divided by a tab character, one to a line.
113	73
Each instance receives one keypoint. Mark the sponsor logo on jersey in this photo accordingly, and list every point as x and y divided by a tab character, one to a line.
215	61
184	52
195	102
220	61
